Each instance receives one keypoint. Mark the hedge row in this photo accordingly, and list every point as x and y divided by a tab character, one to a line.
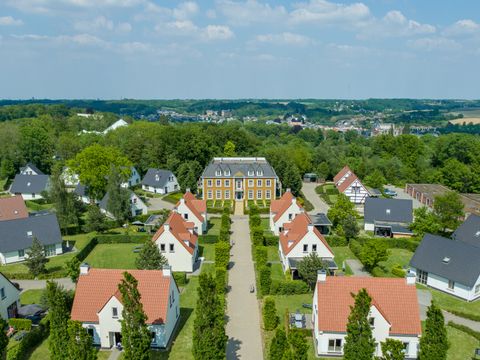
222	254
270	240
288	287
465	329
20	324
465	315
336	240
30	341
397	243
180	278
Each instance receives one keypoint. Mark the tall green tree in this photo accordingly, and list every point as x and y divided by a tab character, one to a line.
298	343
449	209
135	334
80	342
279	345
372	253
392	350
309	267
187	175
350	227
359	342
270	317
93	165
291	178
376	180
95	219
59	315
3	338
73	268
209	338
425	221
150	257
37	144
63	201
118	203
229	149
341	210
36	259
434	343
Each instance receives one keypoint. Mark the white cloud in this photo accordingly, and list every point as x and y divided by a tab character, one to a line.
285	38
211	14
101	23
185	10
217	32
124	27
10	21
434	43
188	29
463	27
325	12
250	11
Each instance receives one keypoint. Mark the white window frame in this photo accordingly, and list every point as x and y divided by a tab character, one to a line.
305	248
226	182
259	183
251	173
218	182
250	194
250	183
209	182
261	193
171	248
209	194
227	194
114	313
335	348
259	173
218	172
227	172
164	248
268	194
218	195
268	182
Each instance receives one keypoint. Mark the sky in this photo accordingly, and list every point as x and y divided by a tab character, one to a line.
224	49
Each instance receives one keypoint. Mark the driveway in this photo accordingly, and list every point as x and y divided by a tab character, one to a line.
159	204
357	267
67	283
401	194
319	205
243	318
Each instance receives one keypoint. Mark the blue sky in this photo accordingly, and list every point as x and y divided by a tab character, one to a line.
113	49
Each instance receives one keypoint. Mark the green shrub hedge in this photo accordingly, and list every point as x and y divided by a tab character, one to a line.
469	316
222	254
208	239
465	329
180	278
270	240
254	221
257	235
221	279
398	271
270	317
20	324
336	240
265	279
288	287
261	255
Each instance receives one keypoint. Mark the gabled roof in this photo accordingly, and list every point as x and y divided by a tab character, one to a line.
18	234
29	184
12	208
297	229
180	230
97	287
394	299
347	182
33	167
469	231
454	260
278	207
388	210
198	207
150	178
341	174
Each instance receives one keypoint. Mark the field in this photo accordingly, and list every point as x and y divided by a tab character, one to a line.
466	120
113	256
449	302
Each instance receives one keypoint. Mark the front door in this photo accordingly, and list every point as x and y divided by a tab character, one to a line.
239	195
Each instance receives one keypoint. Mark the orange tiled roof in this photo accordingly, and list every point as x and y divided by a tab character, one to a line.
341	173
198	207
278	207
395	300
12	208
96	288
297	229
180	230
347	182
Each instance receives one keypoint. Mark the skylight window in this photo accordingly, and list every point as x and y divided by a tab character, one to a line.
388	211
446	260
477	234
29	233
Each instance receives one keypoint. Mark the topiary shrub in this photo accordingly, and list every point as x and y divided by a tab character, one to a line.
257	236
222	254
261	255
265	275
270	317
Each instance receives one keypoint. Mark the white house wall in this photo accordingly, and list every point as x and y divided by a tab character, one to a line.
180	259
108	323
201	227
12	257
31	196
369	227
293	210
170	185
12	295
356	197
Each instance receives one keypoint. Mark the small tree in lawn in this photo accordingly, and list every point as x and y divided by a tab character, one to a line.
375	180
392	350
95	220
449	209
308	268
3	338
372	253
135	334
434	343
350	227
73	269
425	221
150	257
80	342
359	342
278	346
59	315
341	209
270	318
36	259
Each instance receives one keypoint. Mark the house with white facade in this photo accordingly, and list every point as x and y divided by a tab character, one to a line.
117	124
30	187
70	178
283	210
133	179
137	206
388	217
16	237
394	312
160	181
299	239
178	242
451	266
30	169
349	184
194	210
9	298
98	304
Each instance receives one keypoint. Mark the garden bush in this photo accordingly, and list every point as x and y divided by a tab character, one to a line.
265	275
261	255
225	222
270	240
29	342
257	236
377	271
356	247
288	287
336	240
20	324
222	254
180	278
221	279
270	317
224	235
398	271
255	220
465	329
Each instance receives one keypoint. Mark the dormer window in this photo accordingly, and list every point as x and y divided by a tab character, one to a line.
250	172
218	173
227	172
259	173
29	233
157	177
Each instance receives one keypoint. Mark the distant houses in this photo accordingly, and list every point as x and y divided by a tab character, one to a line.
30	169
133	179
137	206
159	181
98	304
394	312
388	217
283	210
469	231
30	183
349	184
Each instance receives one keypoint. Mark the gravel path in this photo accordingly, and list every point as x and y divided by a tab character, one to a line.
319	205
243	324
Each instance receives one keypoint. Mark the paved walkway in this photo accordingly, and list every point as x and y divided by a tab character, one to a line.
159	204
42	284
357	267
319	205
243	324
239	207
115	354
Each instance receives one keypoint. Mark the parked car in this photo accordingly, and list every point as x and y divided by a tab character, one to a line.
390	192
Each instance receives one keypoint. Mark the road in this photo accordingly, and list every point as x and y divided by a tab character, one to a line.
67	283
319	205
159	204
243	324
401	194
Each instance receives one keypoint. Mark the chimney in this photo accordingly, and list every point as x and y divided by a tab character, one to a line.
411	278
310	227
167	271
182	201
187	190
84	268
166	227
321	276
287	190
294	201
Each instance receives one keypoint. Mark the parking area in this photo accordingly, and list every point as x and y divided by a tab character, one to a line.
401	194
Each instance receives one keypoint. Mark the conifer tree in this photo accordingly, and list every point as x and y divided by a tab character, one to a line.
150	257
36	259
118	203
298	343
434	343
3	338
95	219
359	342
392	350
58	314
135	334
63	201
278	346
80	344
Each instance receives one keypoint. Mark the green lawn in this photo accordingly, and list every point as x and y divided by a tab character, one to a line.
206	242
396	257
449	302
113	256
173	197
273	253
277	272
41	352
462	345
31	296
265	224
207	251
343	253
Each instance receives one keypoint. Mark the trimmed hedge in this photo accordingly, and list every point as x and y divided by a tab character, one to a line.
180	278
270	240
261	255
289	287
469	316
222	254
208	239
336	240
221	280
270	317
255	221
30	341
465	329
257	235
265	279
82	254
20	324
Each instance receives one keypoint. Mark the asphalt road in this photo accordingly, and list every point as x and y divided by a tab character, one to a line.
319	205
